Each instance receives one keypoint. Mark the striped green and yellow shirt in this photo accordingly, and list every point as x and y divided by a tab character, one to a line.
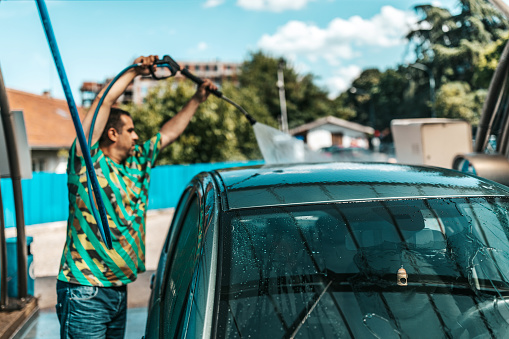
124	189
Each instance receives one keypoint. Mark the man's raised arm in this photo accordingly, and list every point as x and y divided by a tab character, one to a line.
114	93
173	128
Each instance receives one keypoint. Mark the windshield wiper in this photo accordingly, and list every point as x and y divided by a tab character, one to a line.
296	326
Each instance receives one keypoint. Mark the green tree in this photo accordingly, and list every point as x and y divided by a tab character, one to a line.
462	51
456	100
217	132
453	44
378	97
488	62
305	101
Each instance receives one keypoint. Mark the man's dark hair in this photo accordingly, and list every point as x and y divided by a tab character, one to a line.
115	122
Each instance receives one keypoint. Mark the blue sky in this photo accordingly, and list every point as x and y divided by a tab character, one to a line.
333	39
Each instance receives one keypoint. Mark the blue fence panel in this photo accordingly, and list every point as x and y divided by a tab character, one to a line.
45	198
8	202
45	195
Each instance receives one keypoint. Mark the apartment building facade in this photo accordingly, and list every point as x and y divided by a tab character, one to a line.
217	71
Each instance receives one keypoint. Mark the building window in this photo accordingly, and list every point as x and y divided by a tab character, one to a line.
38	165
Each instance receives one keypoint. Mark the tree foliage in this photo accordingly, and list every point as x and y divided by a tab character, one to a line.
378	97
456	57
456	100
462	51
305	101
453	44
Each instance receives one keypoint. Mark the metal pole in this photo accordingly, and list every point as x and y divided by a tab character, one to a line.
431	78
14	167
492	102
282	98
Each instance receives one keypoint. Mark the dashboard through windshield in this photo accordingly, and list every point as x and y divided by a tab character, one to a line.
377	269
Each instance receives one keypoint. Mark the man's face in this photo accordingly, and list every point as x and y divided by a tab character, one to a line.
127	139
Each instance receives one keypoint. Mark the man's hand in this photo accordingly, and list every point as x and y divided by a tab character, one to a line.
146	63
203	92
115	92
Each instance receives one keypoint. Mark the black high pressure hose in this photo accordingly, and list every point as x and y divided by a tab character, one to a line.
172	65
166	62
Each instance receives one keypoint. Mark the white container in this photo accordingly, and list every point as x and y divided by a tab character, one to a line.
433	141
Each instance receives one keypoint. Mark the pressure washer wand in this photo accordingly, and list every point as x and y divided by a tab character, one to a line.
101	219
174	67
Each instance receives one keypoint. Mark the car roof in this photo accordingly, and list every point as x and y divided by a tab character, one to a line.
279	185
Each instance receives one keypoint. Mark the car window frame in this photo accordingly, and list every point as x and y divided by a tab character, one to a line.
193	192
176	224
209	249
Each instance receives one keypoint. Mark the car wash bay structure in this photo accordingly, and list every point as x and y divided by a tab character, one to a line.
15	164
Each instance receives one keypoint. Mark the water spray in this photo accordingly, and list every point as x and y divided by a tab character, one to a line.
174	67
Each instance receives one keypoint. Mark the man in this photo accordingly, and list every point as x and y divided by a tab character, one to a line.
91	285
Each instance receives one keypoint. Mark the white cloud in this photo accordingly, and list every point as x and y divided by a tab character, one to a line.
342	79
213	3
202	46
273	5
341	39
198	48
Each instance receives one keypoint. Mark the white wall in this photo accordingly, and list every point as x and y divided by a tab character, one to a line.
322	137
319	138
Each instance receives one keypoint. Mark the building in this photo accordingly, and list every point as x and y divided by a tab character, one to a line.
217	71
49	127
330	131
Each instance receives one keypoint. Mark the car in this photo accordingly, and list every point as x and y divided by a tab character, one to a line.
335	250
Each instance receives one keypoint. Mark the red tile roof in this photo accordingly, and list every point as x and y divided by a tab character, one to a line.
47	120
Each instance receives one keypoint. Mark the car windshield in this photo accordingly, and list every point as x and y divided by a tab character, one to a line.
381	269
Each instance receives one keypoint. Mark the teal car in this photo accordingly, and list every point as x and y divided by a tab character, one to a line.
335	250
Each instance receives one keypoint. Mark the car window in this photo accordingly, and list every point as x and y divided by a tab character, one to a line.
197	323
177	217
181	269
368	269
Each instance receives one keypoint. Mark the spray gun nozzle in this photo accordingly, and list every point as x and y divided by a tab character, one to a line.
252	121
167	61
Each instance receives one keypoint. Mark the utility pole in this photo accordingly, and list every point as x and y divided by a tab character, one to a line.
431	78
282	100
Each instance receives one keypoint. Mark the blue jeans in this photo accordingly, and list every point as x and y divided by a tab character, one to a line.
87	312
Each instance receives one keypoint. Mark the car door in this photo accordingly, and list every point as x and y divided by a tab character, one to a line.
198	316
154	307
184	291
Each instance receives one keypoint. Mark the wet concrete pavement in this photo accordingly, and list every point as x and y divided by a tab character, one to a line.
48	241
